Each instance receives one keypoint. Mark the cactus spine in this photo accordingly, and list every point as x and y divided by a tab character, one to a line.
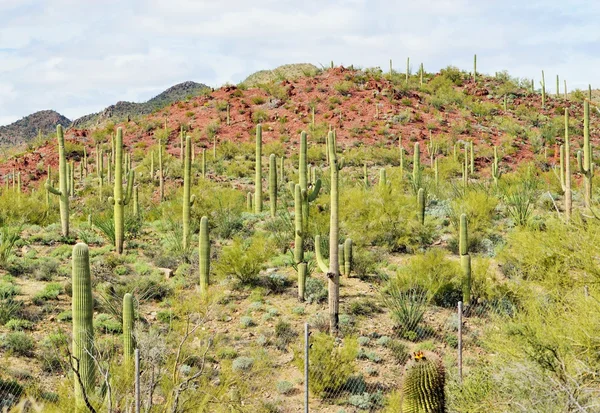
188	200
465	259
120	199
586	166
83	328
204	257
565	169
421	205
423	386
273	184
63	191
128	318
258	172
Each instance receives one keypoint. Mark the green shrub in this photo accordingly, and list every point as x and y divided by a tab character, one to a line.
17	324
315	290
18	343
244	258
50	292
8	290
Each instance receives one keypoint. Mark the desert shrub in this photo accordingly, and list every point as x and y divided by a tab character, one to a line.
9	309
284	387
8	238
18	343
17	324
8	289
107	324
247	321
244	258
242	364
315	290
284	335
330	364
50	292
276	283
363	306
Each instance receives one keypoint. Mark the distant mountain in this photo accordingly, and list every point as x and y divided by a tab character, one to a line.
121	110
26	129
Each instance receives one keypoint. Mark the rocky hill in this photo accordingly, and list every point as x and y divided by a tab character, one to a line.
121	110
26	129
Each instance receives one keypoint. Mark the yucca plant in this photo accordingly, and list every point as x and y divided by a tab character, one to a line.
8	238
407	306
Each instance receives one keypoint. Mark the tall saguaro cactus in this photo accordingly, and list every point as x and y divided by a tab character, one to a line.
586	166
465	259
128	345
63	191
188	200
416	175
421	205
161	172
119	198
543	83
204	257
565	170
273	184
83	328
258	171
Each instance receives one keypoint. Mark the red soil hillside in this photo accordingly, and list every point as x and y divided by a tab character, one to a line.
364	107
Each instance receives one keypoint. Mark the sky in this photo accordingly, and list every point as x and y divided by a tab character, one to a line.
79	56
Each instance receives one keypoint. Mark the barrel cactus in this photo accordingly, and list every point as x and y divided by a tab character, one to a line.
423	385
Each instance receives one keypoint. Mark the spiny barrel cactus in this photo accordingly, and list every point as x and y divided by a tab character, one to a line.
273	184
128	318
204	257
586	165
258	172
83	329
423	385
119	198
421	205
63	191
188	200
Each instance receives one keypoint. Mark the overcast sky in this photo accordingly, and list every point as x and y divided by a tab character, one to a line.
79	56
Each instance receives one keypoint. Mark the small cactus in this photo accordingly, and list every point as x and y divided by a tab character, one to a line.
496	173
423	385
421	205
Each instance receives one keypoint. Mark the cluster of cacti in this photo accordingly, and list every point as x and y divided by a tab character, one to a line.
423	386
465	259
120	199
258	172
586	165
83	328
273	184
345	257
204	257
188	199
63	191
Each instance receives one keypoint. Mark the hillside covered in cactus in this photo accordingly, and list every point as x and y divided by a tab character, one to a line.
201	236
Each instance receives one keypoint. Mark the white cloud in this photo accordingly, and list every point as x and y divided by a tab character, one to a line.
77	57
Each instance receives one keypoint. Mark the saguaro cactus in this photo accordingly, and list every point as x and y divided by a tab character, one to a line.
119	198
347	257
565	169
421	205
49	178
416	175
63	191
496	173
258	171
543	83
423	385
474	67
273	184
298	231
586	166
465	259
128	318
83	328
204	257
136	202
203	162
161	173
382	179
188	200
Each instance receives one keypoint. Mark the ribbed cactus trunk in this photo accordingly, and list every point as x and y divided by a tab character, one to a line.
258	172
348	257
204	257
49	178
298	230
333	274
188	199
543	91
465	259
120	199
282	169
136	202
249	201
302	267
83	329
273	184
100	172
382	179
128	317
586	166
416	175
471	158
565	160
63	191
71	179
307	197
